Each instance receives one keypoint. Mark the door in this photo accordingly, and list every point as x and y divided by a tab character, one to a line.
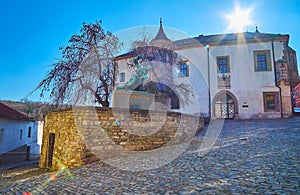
28	153
224	110
224	106
51	149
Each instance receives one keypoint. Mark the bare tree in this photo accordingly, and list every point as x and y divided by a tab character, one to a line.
86	68
144	40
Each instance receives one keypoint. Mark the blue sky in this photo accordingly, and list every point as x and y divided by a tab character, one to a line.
32	31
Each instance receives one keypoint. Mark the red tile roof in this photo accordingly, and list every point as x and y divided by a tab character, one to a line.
9	113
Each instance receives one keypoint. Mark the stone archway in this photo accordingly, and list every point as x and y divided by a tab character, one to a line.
163	94
225	105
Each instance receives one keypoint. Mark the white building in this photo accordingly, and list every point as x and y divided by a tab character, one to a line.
18	137
239	75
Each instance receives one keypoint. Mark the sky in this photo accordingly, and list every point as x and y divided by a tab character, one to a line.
32	31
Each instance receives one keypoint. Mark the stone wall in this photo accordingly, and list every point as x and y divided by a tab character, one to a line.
83	133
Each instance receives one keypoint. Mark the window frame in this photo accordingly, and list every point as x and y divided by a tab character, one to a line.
276	101
227	64
21	134
267	54
29	132
122	77
184	72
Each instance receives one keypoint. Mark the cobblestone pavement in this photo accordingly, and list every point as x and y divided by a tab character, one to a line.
250	157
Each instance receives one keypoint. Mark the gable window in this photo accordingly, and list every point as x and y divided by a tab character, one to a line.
223	64
29	132
184	69
262	60
271	103
122	77
1	136
21	134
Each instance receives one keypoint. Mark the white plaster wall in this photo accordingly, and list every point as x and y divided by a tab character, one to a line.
197	56
11	138
40	133
246	84
123	67
197	79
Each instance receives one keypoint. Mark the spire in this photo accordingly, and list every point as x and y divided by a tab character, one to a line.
161	34
160	22
256	29
161	39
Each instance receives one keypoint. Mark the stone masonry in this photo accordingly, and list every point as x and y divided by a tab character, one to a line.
82	131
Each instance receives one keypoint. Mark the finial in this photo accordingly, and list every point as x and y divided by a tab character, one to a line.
160	22
256	29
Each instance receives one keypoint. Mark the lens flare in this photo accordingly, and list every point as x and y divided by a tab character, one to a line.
239	19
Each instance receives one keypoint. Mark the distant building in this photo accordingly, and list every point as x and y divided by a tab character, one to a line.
296	98
18	136
238	75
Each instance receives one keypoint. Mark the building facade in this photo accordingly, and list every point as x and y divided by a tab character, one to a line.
18	137
238	75
296	97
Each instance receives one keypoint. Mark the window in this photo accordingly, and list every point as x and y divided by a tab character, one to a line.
223	64
21	134
184	69
29	132
271	103
1	136
122	77
262	60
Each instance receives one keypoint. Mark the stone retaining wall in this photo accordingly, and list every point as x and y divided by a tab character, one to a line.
83	133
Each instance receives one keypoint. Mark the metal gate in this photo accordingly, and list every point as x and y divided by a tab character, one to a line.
224	110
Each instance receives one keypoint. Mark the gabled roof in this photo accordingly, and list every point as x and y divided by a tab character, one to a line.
9	113
232	38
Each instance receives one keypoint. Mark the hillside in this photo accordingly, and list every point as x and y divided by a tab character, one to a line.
36	110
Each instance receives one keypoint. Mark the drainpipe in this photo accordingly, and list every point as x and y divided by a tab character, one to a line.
276	82
208	80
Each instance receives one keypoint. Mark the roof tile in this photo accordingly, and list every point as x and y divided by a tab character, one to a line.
9	113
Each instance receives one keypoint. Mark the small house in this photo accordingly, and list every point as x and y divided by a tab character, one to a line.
18	136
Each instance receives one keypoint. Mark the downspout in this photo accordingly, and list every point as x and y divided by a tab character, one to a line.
208	80
114	73
276	82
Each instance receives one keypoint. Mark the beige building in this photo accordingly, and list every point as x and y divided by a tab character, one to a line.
238	75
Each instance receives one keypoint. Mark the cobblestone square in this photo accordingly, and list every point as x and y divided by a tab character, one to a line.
249	157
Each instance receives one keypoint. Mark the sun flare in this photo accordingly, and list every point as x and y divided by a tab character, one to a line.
239	19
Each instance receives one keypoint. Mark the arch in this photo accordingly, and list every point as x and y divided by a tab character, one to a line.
225	105
162	93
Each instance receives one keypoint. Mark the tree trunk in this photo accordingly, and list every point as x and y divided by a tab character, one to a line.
105	103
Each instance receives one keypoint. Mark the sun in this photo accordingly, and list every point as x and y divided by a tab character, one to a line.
239	19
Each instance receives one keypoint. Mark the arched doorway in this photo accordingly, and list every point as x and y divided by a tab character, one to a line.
163	94
225	105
